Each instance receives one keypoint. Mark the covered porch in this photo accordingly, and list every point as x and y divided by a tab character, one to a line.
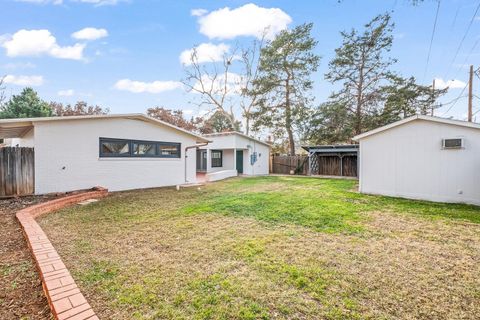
15	132
217	164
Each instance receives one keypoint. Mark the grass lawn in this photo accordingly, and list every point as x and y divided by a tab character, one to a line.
271	248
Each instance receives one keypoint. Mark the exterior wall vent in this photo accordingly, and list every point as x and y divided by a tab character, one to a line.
455	143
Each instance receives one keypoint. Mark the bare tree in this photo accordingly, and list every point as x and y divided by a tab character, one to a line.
214	87
3	97
223	90
81	108
249	96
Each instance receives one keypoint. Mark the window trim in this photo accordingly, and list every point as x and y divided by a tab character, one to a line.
221	158
131	154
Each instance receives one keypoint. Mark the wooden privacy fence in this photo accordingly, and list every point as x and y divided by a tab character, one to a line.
284	164
328	165
16	171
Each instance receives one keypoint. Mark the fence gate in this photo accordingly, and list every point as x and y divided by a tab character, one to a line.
17	171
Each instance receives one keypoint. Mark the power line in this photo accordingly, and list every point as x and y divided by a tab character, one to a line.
431	40
466	58
475	112
455	17
452	27
454	101
463	38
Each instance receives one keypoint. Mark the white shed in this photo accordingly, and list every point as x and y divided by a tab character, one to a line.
231	153
118	152
422	157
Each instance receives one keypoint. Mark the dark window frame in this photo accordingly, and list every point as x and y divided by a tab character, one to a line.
131	153
109	155
161	143
221	158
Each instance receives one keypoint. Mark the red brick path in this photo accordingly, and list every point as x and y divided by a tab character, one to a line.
64	297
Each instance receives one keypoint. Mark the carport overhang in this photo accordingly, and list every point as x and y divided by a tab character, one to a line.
12	128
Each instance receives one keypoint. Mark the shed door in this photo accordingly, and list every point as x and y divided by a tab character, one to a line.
240	161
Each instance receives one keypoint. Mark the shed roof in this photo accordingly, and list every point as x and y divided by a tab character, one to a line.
230	133
16	128
418	117
335	148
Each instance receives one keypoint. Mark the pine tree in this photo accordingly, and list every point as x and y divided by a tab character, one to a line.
283	82
361	67
27	104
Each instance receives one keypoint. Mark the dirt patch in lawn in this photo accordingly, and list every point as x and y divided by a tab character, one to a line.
21	294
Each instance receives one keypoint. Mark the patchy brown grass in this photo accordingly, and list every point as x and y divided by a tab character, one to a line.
147	255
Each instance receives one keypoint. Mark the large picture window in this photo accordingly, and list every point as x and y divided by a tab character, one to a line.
217	158
121	148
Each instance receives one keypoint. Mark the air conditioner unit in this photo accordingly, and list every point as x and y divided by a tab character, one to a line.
454	143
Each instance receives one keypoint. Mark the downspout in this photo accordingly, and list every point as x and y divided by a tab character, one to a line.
254	151
186	156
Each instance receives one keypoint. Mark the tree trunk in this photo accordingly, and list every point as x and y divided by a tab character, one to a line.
247	124
288	117
358	113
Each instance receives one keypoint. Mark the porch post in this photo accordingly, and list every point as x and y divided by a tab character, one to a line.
309	163
235	159
207	161
341	165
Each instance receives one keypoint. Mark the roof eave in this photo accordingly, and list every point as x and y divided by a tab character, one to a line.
236	133
418	117
138	116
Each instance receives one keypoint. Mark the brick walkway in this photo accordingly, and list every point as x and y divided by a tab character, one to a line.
64	297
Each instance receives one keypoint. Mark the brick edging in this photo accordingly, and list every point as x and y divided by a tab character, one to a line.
64	297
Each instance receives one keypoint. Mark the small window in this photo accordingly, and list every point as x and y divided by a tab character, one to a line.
114	148
169	150
144	149
217	158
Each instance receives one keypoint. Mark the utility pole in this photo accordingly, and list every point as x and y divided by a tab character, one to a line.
470	94
433	94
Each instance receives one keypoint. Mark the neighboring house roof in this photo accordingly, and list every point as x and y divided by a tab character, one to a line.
418	117
230	133
16	128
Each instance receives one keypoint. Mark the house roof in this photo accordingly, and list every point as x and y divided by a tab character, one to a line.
16	128
231	133
418	117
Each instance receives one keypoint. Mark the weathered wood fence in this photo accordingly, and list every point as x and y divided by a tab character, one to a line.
284	164
345	166
321	165
16	171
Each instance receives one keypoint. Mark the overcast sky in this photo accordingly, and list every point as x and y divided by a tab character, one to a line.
127	55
